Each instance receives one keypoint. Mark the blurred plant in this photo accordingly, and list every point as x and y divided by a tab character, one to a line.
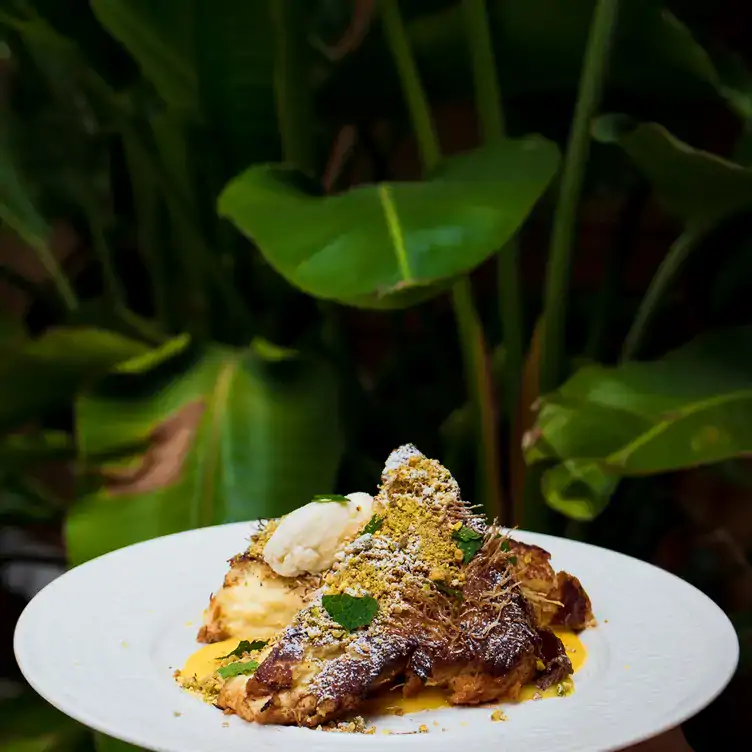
196	374
144	149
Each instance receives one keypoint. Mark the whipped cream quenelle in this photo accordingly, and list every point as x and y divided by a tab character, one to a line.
308	539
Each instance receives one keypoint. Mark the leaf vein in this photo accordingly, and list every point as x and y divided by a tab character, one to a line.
395	232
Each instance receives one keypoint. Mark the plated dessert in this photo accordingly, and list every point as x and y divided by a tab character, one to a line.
349	597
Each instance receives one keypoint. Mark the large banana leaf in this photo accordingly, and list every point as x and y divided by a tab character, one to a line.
375	245
45	373
697	186
692	407
539	46
233	435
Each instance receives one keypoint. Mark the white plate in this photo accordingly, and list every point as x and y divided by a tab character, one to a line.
101	643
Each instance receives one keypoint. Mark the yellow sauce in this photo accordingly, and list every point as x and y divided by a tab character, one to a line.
576	652
204	662
431	698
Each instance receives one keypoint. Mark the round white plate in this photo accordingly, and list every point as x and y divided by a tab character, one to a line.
102	641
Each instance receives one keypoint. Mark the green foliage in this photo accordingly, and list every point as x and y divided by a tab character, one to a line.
382	245
240	668
232	435
350	612
244	646
198	427
469	541
539	46
44	374
690	408
339	498
17	208
234	61
158	36
699	187
29	724
373	525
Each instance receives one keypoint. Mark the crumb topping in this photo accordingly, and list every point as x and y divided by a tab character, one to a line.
260	538
421	509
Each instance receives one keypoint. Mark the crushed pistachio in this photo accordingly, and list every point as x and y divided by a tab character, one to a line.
261	538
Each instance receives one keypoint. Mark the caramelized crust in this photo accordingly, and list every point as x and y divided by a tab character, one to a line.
481	649
558	599
480	646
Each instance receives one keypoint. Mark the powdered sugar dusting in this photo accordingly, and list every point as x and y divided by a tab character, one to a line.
397	458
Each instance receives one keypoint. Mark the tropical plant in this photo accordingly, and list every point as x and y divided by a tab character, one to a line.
227	167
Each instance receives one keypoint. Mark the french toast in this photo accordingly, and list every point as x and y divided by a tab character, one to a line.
458	605
254	599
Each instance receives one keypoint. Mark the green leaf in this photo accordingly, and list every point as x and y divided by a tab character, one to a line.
235	67
46	373
389	244
697	186
17	207
654	53
469	541
373	525
159	36
331	497
108	744
231	436
350	612
241	668
28	448
692	407
29	724
244	646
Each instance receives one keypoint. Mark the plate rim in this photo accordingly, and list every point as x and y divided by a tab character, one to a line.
678	716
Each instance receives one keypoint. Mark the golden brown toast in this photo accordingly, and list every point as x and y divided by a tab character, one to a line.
443	619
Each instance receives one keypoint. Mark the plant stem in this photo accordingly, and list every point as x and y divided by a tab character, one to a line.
662	280
616	255
146	205
487	91
293	94
478	382
63	287
112	285
412	89
470	329
491	111
553	353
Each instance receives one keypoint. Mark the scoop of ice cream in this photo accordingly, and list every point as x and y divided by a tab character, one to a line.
308	539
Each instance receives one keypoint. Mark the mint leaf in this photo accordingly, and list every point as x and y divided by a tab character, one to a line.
512	560
373	525
350	612
448	591
467	534
505	546
469	541
245	647
331	497
241	668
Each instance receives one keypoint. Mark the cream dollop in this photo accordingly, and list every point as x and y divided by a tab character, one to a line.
308	539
